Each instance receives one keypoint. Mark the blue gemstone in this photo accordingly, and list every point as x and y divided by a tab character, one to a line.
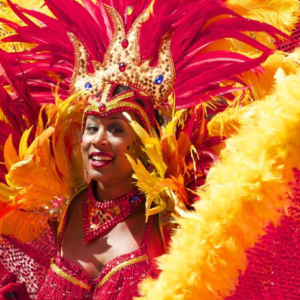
87	86
159	79
133	199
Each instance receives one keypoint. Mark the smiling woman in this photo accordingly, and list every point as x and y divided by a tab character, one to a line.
109	244
99	181
105	143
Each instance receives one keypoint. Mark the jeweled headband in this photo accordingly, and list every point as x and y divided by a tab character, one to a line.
122	65
106	103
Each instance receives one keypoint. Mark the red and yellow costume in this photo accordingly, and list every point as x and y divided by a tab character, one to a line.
203	65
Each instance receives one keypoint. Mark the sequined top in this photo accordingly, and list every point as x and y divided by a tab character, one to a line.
118	279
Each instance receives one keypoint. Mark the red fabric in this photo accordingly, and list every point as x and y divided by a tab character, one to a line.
14	288
26	263
122	285
273	271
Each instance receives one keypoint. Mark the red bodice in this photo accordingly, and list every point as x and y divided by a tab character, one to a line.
118	279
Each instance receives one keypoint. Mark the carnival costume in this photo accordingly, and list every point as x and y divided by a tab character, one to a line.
197	64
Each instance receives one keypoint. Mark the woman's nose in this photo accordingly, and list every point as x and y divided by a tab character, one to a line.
100	138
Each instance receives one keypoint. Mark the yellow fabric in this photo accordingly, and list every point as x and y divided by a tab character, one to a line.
243	194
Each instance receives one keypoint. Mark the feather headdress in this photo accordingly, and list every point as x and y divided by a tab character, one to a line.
203	71
214	49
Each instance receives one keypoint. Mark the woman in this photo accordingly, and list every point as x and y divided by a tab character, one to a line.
109	245
130	62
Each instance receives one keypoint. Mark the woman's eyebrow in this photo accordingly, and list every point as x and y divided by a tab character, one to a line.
92	117
112	117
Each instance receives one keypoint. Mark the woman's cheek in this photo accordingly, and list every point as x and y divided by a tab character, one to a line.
133	148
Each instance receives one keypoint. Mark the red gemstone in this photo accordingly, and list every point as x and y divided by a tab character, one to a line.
102	107
95	219
122	67
125	43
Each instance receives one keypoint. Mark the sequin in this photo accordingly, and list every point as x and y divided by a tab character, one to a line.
129	10
95	219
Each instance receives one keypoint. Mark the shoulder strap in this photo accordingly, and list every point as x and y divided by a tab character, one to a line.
147	234
64	215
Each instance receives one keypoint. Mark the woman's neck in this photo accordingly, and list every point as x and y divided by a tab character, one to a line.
112	191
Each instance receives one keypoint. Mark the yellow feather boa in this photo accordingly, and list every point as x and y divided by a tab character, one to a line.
243	194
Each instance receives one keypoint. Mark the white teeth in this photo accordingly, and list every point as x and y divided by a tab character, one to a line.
100	158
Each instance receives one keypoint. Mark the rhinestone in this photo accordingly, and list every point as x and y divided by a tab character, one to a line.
133	199
95	219
125	43
122	67
87	86
159	79
129	10
102	107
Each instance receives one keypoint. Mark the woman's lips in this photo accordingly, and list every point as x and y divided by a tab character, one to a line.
100	159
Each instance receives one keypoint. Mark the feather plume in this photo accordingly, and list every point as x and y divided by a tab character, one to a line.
40	173
236	202
226	123
280	14
162	179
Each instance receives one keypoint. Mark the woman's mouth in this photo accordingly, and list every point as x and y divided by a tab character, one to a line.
100	160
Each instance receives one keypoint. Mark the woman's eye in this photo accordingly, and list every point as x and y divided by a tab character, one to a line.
91	128
115	129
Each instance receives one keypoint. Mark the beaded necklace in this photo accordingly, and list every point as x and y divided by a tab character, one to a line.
98	217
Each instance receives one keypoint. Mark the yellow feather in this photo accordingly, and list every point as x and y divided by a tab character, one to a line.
25	226
242	195
280	14
11	156
227	123
42	171
23	143
45	135
152	148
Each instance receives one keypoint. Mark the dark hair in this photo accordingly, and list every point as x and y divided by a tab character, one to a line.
120	89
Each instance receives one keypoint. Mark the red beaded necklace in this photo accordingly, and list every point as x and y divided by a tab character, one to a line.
98	217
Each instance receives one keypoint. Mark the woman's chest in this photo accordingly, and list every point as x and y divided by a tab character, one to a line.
92	256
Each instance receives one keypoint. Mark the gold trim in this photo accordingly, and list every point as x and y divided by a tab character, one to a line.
120	104
135	106
121	266
122	97
105	93
69	278
94	105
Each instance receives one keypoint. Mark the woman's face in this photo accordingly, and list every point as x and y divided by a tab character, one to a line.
105	142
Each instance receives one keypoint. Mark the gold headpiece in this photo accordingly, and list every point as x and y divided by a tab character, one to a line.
122	63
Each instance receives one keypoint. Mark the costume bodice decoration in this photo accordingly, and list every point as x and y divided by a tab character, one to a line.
98	217
118	279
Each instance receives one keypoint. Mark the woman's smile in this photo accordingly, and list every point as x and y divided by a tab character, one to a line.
100	159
